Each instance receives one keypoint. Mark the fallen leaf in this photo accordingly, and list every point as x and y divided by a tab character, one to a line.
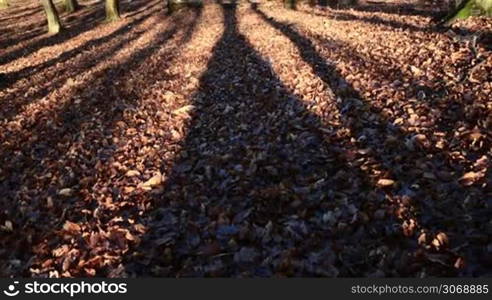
185	110
132	173
153	182
71	227
67	192
471	177
385	182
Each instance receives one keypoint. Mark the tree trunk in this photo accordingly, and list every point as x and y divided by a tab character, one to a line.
54	25
469	8
112	10
4	3
71	5
291	4
175	5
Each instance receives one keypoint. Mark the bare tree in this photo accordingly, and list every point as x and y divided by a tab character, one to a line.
54	25
4	3
290	4
112	10
174	5
71	5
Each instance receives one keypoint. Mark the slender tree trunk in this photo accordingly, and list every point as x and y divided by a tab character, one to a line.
175	5
4	3
71	5
54	25
112	10
291	4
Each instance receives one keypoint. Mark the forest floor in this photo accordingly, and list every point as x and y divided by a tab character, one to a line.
244	140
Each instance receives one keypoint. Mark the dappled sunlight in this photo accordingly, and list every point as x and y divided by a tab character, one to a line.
87	114
26	65
402	149
60	72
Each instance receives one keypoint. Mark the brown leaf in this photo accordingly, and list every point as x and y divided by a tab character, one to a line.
8	226
385	182
471	177
153	182
422	240
132	173
67	192
71	227
185	110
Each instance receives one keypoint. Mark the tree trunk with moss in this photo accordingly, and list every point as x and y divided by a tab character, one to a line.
469	8
290	4
54	25
71	5
4	3
112	10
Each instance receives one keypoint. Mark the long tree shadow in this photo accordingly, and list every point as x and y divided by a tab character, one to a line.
15	9
76	24
84	120
150	6
12	77
10	41
15	101
371	128
483	37
436	96
347	15
398	9
86	21
255	176
25	28
27	12
454	112
15	12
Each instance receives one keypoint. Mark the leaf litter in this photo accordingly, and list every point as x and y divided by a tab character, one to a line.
248	141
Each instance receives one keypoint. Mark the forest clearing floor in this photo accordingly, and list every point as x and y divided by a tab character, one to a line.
244	140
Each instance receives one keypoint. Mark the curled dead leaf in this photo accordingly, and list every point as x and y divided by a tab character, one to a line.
409	227
470	178
67	192
440	241
422	240
385	182
8	226
184	110
132	173
153	182
128	189
459	263
71	227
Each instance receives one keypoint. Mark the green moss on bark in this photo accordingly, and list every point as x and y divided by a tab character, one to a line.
470	8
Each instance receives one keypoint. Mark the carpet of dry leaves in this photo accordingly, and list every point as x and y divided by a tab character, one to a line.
244	141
